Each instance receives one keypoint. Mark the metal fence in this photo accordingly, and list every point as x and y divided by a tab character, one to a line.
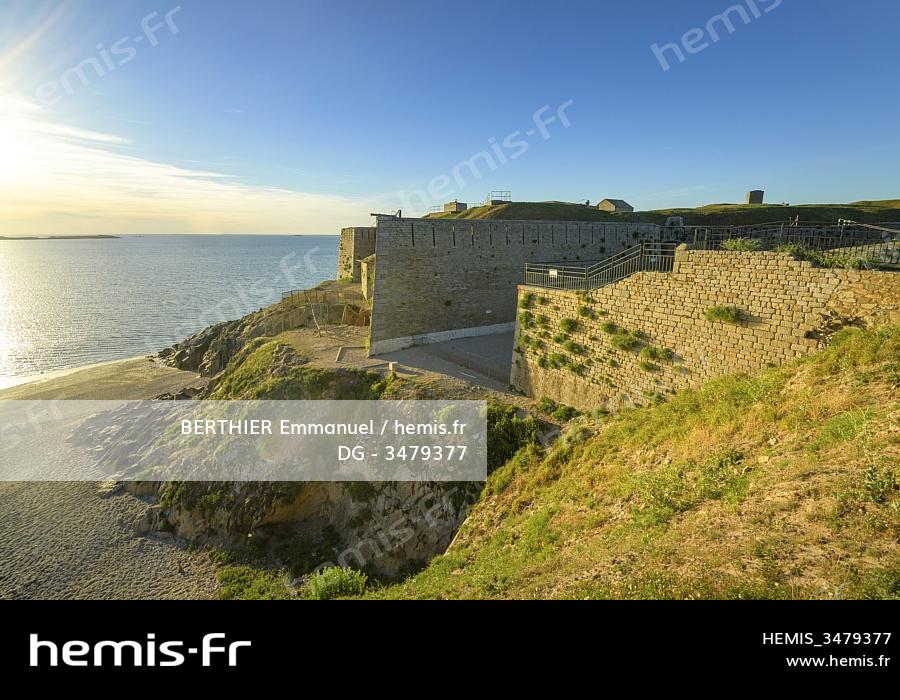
316	296
846	245
644	257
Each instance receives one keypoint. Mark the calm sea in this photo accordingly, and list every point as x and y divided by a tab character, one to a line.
66	303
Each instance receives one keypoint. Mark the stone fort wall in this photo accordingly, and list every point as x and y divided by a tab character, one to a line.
357	242
437	280
786	305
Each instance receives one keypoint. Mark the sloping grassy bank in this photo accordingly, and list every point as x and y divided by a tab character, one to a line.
778	485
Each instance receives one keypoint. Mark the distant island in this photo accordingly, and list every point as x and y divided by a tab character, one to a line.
50	238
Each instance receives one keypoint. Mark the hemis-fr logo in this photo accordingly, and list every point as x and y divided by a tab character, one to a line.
212	651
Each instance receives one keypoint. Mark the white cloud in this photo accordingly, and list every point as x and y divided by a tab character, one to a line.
58	179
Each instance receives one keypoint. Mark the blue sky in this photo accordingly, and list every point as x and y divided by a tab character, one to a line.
302	116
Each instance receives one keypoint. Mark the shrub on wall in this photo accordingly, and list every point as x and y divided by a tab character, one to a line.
609	327
568	325
741	244
574	348
558	360
526	319
846	261
724	314
527	301
651	353
626	341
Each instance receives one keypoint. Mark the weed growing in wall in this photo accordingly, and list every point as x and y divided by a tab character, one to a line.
724	314
626	341
568	325
846	261
651	353
527	301
526	320
574	348
558	360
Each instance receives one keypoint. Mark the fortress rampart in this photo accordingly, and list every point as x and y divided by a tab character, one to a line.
439	280
357	243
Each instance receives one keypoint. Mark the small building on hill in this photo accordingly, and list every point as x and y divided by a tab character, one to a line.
455	206
616	206
756	196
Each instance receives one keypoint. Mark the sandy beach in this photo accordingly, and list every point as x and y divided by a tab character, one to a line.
134	378
74	540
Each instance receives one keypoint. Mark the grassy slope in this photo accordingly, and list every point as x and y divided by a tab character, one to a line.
714	214
781	485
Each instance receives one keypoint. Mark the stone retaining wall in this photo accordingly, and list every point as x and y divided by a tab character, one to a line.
787	306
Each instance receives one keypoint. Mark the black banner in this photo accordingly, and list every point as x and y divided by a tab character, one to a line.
615	639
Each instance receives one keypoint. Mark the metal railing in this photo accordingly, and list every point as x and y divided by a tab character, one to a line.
319	296
498	196
848	244
644	257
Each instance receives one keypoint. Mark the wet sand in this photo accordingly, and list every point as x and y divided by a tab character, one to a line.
136	378
74	540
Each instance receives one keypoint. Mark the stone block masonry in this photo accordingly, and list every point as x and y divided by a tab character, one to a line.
618	353
439	280
357	243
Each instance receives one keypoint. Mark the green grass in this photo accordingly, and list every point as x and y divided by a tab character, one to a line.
249	583
336	582
558	411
